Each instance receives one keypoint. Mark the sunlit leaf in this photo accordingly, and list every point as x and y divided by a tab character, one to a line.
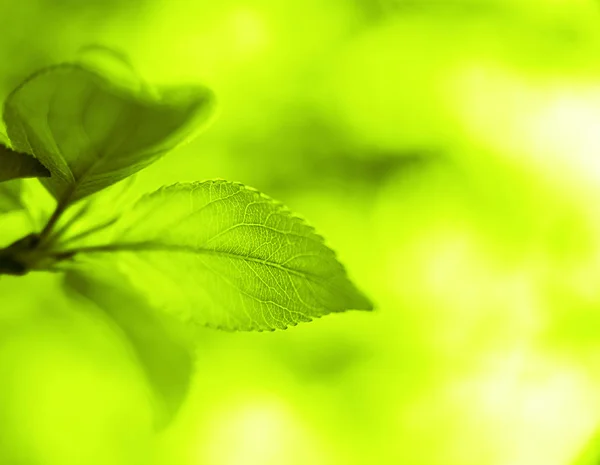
224	255
92	132
15	165
159	345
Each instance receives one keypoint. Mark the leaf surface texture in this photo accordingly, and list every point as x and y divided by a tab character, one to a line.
224	255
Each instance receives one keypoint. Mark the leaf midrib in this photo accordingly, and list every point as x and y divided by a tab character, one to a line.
157	247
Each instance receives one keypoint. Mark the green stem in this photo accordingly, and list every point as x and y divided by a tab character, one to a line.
88	232
61	207
56	215
67	225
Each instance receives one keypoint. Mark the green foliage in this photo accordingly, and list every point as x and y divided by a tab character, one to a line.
15	165
235	259
213	253
91	132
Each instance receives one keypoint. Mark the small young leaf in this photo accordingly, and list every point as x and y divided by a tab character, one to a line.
226	256
15	165
162	348
92	132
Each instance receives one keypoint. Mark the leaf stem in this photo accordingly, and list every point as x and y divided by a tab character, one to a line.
61	207
56	214
94	249
89	232
65	227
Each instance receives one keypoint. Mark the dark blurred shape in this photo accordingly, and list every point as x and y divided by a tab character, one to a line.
435	6
324	359
313	152
372	168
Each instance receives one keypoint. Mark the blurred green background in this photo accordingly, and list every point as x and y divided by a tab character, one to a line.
447	150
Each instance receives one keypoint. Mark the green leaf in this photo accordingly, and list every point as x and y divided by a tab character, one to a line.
226	256
91	131
15	165
163	349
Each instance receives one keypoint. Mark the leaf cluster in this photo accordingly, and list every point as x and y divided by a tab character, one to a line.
213	253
